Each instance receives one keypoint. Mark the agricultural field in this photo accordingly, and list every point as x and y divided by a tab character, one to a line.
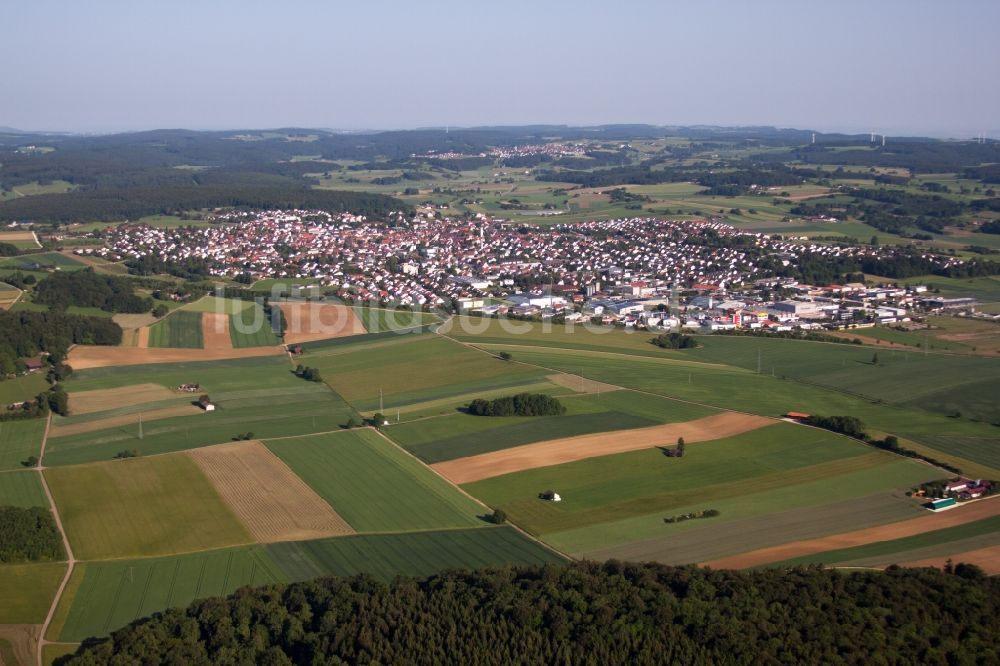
21	488
19	440
374	485
215	304
257	395
603	490
141	507
9	295
27	591
458	434
843	379
251	328
377	320
106	595
426	367
22	240
307	322
43	260
267	497
179	329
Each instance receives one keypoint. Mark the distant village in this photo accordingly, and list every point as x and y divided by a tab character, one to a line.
636	273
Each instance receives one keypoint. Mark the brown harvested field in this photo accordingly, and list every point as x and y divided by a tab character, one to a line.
22	638
58	430
15	236
932	521
142	338
215	331
581	384
266	495
134	320
986	558
82	357
87	402
570	449
319	321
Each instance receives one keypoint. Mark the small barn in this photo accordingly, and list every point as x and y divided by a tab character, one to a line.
940	504
550	496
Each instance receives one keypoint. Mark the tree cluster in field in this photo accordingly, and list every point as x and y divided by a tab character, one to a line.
127	453
676	451
88	289
694	515
583	613
674	340
812	336
8	250
28	535
27	334
522	404
853	427
307	373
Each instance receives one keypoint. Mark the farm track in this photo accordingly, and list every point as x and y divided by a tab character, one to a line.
571	449
977	510
70	559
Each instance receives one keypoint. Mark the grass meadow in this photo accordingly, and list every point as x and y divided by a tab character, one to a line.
27	591
22	488
179	329
21	388
19	440
141	507
377	320
375	486
250	327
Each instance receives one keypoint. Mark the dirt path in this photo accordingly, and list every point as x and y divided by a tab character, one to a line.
570	449
986	558
215	331
968	513
71	561
271	501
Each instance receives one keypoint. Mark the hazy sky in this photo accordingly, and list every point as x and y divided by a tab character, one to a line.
894	66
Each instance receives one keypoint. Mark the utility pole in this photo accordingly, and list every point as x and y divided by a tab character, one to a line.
140	425
758	361
381	407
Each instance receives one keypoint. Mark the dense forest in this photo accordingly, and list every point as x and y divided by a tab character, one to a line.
26	334
522	404
88	289
584	613
28	535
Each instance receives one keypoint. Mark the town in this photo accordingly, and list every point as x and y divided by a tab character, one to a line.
700	275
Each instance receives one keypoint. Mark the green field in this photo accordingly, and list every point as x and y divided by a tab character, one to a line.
141	506
377	320
44	260
744	390
215	304
425	368
251	328
27	591
460	434
416	554
19	440
21	388
109	595
984	532
611	488
258	395
179	329
22	489
375	486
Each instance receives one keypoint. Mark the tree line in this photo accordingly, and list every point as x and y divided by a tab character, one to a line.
582	613
88	289
27	334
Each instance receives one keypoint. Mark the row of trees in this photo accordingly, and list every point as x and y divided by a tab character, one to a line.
28	535
674	340
522	404
583	613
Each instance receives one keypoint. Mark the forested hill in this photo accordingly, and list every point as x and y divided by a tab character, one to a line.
585	613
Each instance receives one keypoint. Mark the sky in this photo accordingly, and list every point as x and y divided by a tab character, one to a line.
890	66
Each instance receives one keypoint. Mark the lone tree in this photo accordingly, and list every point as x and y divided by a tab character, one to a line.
505	356
499	517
